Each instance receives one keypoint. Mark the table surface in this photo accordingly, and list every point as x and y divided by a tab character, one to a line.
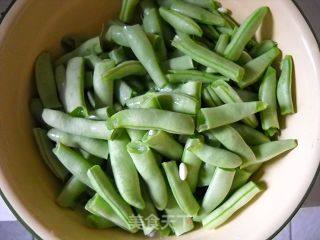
306	223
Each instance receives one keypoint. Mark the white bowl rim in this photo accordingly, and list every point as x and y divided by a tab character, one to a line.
317	41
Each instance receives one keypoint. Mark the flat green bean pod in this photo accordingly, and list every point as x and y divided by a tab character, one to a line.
192	89
193	164
215	156
101	113
240	198
135	135
257	66
70	193
262	47
115	34
96	147
143	50
118	55
244	33
77	126
74	162
124	171
247	96
240	178
232	140
98	206
210	32
205	174
222	43
179	222
228	95
270	150
145	119
244	58
91	46
123	92
127	10
250	135
208	4
164	144
95	221
74	88
284	88
45	81
179	63
147	166
267	94
209	118
180	189
208	58
198	13
183	76
180	22
217	191
92	60
103	89
45	147
103	186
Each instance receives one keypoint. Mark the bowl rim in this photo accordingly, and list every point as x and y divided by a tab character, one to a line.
33	232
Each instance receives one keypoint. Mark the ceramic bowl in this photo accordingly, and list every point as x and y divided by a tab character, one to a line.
32	26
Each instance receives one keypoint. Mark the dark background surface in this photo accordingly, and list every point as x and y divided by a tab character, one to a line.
304	226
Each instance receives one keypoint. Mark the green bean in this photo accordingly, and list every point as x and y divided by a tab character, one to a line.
101	113
148	100
209	118
252	168
210	70
262	48
124	171
123	92
205	174
208	58
45	81
284	88
36	109
180	189
192	89
230	21
148	216
244	33
178	102
124	69
45	146
257	66
163	143
96	147
270	150
77	126
179	63
178	221
207	100
240	178
267	94
250	135
91	46
246	95
103	89
198	13
91	158
151	102
74	88
193	164
145	119
215	156
98	206
74	162
118	55
210	32
231	205
135	135
147	166
180	22
143	50
210	139
88	80
97	222
60	77
115	34
128	10
71	192
222	43
215	98
92	60
244	58
183	76
227	30
103	186
217	191
72	41
208	4
232	140
228	95
152	23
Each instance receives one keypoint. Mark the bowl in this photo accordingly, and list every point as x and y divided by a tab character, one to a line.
28	187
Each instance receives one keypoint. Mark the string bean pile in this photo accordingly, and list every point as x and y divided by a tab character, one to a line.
160	122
